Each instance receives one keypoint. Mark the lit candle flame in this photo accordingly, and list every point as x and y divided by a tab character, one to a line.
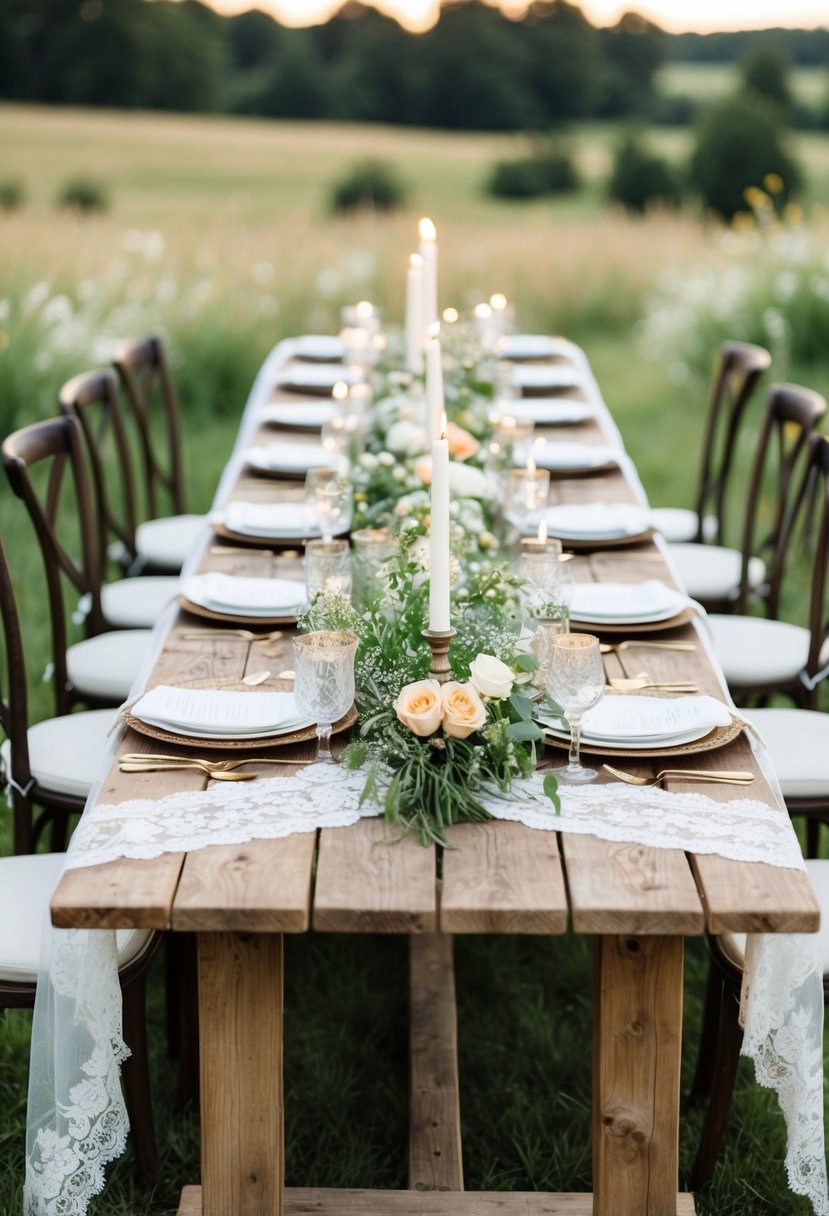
443	425
483	312
542	531
531	470
340	390
416	261
365	310
427	230
498	301
450	315
434	329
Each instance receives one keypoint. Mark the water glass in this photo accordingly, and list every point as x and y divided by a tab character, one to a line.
327	568
526	496
576	682
329	501
341	436
324	681
373	549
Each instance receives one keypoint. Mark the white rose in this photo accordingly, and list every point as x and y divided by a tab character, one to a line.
407	438
466	481
491	677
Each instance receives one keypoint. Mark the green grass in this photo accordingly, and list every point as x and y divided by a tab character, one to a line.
705	81
248	254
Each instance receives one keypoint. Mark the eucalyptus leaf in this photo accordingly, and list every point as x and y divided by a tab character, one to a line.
551	790
524	732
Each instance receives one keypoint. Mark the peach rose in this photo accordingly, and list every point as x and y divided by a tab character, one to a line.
463	709
423	470
462	445
419	707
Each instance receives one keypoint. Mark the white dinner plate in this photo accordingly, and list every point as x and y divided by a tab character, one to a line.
285	520
532	377
626	603
549	411
320	348
287	457
534	346
310	416
639	743
557	456
317	378
273	733
597	521
255	597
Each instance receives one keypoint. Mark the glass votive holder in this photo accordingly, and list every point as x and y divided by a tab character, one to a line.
373	548
360	350
526	496
341	438
327	568
363	315
515	435
541	646
541	561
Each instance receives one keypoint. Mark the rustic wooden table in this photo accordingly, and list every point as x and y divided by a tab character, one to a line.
637	903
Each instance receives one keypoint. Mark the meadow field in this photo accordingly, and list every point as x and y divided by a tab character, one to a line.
218	234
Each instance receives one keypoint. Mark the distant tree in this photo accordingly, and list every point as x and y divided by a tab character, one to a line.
254	39
739	142
640	178
565	60
765	72
293	85
371	186
634	50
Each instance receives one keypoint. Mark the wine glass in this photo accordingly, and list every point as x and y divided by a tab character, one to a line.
329	501
324	681
576	682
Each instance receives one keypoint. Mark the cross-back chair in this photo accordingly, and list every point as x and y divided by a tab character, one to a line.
761	655
101	669
92	398
164	539
737	372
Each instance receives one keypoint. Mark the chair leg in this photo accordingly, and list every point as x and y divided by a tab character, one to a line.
136	1076
724	1076
813	826
709	1037
181	974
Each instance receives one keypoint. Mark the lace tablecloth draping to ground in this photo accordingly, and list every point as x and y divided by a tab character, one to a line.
783	1002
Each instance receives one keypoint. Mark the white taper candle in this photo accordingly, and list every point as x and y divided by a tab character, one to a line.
439	614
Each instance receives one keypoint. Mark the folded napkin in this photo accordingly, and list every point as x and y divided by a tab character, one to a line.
557	455
318	379
306	416
248	596
597	520
283	519
328	348
534	346
625	602
218	713
288	457
636	717
548	411
547	375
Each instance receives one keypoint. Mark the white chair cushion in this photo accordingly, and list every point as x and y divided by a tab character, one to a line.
798	745
65	753
105	667
165	543
734	944
137	603
26	886
753	650
675	523
712	572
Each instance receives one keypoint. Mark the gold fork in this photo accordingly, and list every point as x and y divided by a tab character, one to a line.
719	776
614	647
636	683
247	635
217	766
192	765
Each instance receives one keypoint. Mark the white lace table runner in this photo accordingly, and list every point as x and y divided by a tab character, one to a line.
67	1150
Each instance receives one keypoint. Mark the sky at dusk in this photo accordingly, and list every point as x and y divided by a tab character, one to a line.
674	15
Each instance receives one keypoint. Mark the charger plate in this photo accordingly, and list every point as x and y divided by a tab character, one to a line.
213	614
672	622
718	737
303	735
586	544
264	542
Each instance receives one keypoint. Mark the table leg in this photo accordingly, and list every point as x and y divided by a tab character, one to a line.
242	1108
637	1041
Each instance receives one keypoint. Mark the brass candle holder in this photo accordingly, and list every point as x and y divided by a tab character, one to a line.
439	642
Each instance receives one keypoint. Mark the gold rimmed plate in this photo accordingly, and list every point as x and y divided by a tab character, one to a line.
716	738
212	614
634	627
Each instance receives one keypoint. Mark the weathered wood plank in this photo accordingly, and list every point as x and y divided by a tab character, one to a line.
119	895
260	887
435	1154
502	877
749	897
637	1041
630	888
367	885
319	1202
242	1105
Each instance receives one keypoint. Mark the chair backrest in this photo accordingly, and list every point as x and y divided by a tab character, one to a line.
791	415
145	374
736	375
56	445
14	713
808	519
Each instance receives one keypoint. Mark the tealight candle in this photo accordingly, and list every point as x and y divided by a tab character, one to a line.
439	565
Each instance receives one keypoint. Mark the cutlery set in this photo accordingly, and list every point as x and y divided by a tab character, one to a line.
716	776
217	770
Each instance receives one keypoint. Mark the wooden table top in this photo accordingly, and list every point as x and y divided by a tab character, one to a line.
500	878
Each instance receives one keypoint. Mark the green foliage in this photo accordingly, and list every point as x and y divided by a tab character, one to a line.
548	170
371	185
84	195
12	194
765	73
640	178
740	142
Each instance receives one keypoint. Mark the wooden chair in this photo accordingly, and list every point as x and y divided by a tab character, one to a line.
101	669
761	655
48	768
739	368
26	886
162	541
92	398
721	1039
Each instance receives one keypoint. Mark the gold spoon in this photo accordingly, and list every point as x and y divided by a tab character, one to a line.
611	647
246	634
723	776
213	774
213	766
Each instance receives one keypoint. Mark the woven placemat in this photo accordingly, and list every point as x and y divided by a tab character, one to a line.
718	737
305	735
